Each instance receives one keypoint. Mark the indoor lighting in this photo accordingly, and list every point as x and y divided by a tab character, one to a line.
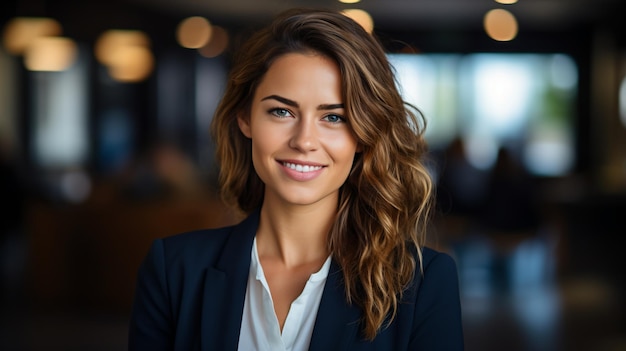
50	54
506	2
114	39
217	45
193	32
361	17
500	25
131	64
20	32
126	54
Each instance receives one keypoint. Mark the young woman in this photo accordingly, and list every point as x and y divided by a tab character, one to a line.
317	147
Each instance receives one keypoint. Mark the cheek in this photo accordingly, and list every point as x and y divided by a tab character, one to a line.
264	144
343	143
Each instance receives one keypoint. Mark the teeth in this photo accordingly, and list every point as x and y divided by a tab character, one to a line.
301	168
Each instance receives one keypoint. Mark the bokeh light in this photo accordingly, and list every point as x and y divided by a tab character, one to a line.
500	25
115	39
362	17
218	43
193	32
20	32
131	64
126	54
50	54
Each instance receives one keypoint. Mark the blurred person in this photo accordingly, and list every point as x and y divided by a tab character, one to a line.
460	185
510	219
317	147
509	204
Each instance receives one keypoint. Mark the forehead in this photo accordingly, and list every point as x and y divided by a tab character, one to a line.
302	71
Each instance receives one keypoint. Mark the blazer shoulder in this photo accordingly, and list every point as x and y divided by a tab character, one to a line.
208	246
195	245
433	259
437	267
192	238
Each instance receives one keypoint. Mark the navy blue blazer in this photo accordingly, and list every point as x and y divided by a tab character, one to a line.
191	290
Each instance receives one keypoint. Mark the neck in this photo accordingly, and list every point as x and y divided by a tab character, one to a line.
295	235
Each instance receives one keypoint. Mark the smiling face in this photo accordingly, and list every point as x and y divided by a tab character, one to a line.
302	145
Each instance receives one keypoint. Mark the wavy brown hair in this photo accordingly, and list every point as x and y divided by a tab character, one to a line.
385	202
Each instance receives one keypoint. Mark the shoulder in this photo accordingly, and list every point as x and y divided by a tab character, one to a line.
195	244
206	246
433	260
191	240
437	274
437	318
438	279
429	316
185	252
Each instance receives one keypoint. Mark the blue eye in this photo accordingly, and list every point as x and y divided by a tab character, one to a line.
334	119
280	112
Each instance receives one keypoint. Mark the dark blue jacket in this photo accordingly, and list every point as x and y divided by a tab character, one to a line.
191	289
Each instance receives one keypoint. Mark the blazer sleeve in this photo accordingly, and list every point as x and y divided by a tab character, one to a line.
437	320
150	326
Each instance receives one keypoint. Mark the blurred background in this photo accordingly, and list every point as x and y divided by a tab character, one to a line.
104	146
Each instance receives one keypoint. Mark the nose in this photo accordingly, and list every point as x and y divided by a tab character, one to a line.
305	136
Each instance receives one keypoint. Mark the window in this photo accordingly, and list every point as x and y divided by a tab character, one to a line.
522	102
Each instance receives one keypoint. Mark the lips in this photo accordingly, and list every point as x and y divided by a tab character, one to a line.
301	171
304	168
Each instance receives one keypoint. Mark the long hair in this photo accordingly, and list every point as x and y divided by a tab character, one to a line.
384	204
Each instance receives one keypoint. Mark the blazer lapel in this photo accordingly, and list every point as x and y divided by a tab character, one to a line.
337	322
225	289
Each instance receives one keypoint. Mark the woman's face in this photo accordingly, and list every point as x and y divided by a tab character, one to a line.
302	145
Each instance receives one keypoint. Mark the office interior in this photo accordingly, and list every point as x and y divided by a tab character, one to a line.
105	149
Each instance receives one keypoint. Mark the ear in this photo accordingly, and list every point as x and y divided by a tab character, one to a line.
244	125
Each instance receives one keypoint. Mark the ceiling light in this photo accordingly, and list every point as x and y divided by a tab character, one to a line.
51	54
132	64
193	32
20	32
500	25
114	39
361	17
217	44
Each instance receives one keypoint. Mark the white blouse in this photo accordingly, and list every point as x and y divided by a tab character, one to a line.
259	326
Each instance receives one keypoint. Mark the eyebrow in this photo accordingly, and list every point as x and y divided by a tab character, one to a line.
295	104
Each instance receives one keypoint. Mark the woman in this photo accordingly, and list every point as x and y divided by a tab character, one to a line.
317	147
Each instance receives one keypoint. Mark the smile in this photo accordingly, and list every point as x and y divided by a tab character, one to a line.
301	168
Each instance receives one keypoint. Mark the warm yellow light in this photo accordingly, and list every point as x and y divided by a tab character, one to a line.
361	17
217	44
126	53
506	2
50	54
500	25
349	1
115	39
131	64
193	32
20	32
